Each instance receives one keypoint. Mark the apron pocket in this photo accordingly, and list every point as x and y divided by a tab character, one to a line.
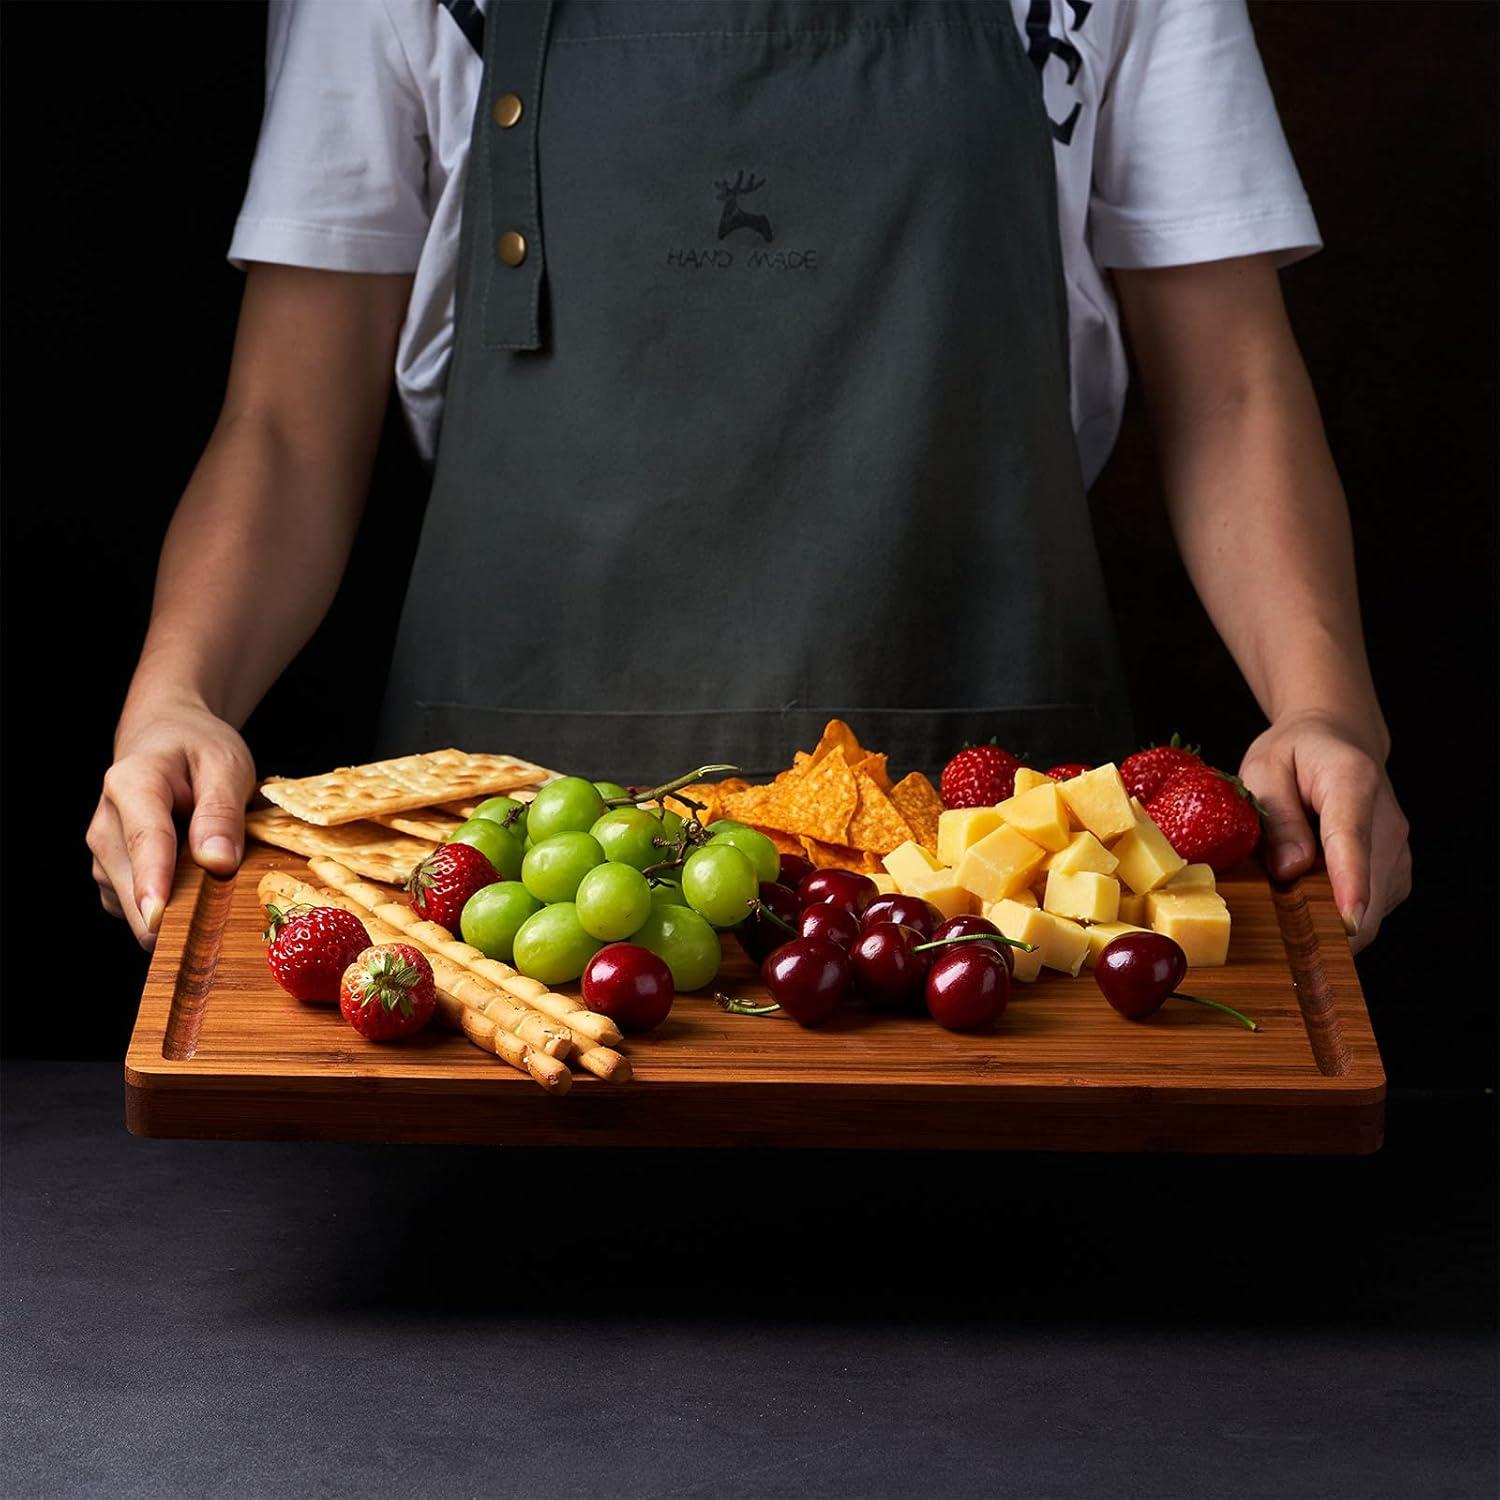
643	748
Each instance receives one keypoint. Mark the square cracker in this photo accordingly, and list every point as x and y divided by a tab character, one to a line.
372	851
392	786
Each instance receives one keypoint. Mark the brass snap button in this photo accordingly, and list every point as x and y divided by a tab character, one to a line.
512	248
507	110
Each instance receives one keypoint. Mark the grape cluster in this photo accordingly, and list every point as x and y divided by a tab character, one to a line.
585	866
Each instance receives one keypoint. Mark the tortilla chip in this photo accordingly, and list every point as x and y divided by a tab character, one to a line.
712	794
873	765
837	735
876	825
916	800
819	803
785	843
838	857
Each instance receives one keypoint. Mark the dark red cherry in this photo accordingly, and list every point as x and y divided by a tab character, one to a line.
793	869
846	888
630	985
967	987
1138	971
758	933
832	923
808	978
968	925
888	971
908	911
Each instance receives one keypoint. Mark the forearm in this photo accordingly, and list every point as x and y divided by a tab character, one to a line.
1260	518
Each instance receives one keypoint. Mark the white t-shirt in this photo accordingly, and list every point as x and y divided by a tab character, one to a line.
1166	139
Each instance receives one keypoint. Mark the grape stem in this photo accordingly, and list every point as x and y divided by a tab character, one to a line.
737	1007
759	907
976	937
656	793
1228	1010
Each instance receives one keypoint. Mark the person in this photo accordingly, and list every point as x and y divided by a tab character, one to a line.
764	352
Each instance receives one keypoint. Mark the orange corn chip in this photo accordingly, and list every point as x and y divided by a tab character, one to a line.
819	803
785	843
838	857
919	804
746	805
876	825
837	735
873	765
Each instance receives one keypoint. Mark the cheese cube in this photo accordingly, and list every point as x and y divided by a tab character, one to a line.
961	826
1197	921
1026	779
1000	864
1015	919
1192	878
945	893
909	863
1084	852
1102	934
1133	909
1086	896
1146	858
1026	898
1099	802
884	883
1040	815
1063	944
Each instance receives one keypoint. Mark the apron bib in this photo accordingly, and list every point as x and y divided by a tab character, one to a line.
758	410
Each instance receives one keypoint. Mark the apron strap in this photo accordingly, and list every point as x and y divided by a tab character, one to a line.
469	19
515	55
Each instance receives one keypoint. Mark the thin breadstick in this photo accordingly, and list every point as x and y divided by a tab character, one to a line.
452	984
528	991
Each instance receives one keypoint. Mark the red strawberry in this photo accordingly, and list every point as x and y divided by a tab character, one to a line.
309	947
1208	817
1068	770
1147	771
446	879
979	776
388	991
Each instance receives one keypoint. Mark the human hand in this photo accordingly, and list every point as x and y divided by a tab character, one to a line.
1311	762
169	757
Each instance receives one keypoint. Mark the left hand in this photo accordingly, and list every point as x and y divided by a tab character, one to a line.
1309	761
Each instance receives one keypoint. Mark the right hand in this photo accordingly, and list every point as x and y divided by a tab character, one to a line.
168	758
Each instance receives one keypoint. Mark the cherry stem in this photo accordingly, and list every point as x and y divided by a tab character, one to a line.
1228	1010
976	937
759	908
737	1007
656	793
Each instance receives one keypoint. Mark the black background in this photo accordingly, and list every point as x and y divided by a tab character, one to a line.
128	135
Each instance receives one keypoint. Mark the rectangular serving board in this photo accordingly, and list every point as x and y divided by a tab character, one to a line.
220	1052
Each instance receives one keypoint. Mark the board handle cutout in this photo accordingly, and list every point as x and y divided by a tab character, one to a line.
200	961
1310	979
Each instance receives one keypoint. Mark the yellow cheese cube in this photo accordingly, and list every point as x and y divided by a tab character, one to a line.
1099	802
1084	852
1063	944
1133	909
909	863
1086	896
1146	858
1026	898
1102	934
1026	778
1040	815
961	826
1192	878
945	893
884	883
1015	919
1000	864
1197	921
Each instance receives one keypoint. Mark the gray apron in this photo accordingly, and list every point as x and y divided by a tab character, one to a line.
758	410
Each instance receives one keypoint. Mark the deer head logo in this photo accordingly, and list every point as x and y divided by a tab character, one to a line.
734	217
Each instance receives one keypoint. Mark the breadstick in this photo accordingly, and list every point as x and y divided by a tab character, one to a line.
528	991
452	984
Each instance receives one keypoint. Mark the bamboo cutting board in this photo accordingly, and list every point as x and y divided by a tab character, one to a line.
219	1051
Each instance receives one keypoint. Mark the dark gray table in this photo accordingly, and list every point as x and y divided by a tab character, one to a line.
267	1320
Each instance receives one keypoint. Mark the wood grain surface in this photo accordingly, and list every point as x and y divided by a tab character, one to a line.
219	1051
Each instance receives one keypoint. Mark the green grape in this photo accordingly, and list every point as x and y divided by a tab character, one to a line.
609	790
506	811
569	805
612	901
493	915
627	836
671	823
753	844
552	946
667	893
498	845
553	868
684	942
723	825
720	883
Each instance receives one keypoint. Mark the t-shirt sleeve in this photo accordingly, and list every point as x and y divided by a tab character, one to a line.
340	172
1190	161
